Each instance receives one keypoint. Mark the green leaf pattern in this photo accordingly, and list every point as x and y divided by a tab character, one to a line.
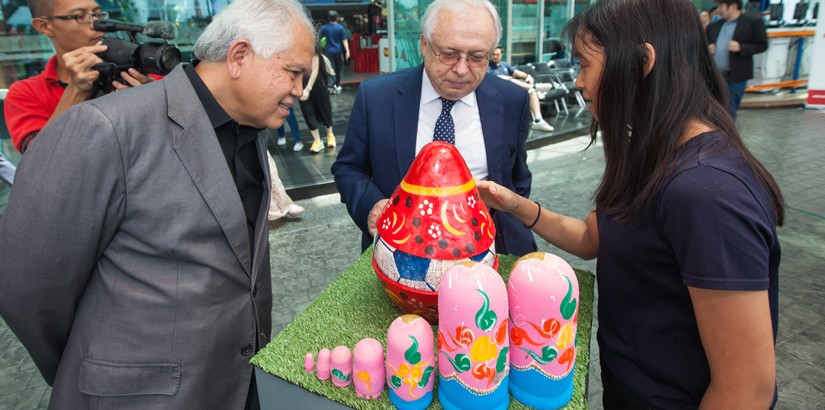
425	377
340	375
548	353
485	318
502	360
568	304
412	355
461	363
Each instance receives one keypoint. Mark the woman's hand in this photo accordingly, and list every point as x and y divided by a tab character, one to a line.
497	196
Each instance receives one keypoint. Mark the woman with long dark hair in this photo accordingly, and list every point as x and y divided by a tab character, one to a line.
684	225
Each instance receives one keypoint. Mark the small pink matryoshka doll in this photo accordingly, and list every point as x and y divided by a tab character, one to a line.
322	366
368	368
341	366
410	362
544	294
473	346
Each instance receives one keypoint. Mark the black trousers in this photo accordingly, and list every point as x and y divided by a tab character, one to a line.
337	65
317	110
617	397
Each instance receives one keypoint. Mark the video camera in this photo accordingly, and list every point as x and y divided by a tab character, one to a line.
155	56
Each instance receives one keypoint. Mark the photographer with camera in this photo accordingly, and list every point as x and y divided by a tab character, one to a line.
68	78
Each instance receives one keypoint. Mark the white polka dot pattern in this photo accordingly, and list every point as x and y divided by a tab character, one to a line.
444	125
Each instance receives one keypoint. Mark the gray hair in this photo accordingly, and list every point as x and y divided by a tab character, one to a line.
460	7
269	25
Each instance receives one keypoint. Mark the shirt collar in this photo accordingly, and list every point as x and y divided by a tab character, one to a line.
216	113
428	93
50	72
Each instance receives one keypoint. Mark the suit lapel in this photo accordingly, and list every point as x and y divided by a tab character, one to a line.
492	126
406	106
261	230
740	25
200	153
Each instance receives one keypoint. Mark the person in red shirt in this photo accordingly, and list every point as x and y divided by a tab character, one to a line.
68	78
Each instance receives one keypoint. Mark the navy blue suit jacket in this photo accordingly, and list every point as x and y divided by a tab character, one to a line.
380	147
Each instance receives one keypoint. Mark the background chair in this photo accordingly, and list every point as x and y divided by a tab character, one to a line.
542	74
567	76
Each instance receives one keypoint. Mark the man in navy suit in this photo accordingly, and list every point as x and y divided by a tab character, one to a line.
395	115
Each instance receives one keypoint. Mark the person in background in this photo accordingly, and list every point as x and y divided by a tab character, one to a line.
68	78
395	115
316	105
733	41
280	204
347	35
293	129
715	14
336	47
523	80
152	204
7	170
684	225
704	17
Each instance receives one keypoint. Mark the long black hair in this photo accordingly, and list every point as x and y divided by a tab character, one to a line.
643	116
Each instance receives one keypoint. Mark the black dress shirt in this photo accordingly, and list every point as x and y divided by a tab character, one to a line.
238	145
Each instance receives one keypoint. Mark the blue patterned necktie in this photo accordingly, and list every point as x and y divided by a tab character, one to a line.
444	126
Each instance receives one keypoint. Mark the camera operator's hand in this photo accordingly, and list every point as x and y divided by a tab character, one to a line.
133	77
79	63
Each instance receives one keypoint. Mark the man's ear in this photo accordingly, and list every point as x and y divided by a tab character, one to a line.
650	58
42	26
423	45
239	54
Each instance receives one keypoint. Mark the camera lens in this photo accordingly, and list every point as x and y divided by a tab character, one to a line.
170	57
158	58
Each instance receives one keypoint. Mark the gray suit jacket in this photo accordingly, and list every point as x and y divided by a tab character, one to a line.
125	261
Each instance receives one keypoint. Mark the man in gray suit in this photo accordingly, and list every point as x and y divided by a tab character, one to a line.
134	255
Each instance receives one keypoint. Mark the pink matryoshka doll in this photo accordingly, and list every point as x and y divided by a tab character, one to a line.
322	367
473	345
544	295
341	366
410	362
368	368
433	220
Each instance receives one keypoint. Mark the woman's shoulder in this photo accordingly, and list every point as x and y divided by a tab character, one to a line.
710	170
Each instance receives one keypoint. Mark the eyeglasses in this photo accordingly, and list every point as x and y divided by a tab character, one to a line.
477	59
84	18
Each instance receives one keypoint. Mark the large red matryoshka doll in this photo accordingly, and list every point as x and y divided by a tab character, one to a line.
434	220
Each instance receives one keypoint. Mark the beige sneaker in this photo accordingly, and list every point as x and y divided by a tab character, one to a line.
316	147
331	141
295	211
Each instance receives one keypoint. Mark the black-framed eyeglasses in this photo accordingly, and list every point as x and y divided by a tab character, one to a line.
84	18
477	59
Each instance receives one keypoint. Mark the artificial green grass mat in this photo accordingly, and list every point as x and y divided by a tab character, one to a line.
355	306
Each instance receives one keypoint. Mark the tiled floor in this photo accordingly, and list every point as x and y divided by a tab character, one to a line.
309	253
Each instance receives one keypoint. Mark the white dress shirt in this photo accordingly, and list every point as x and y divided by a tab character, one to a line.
469	138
